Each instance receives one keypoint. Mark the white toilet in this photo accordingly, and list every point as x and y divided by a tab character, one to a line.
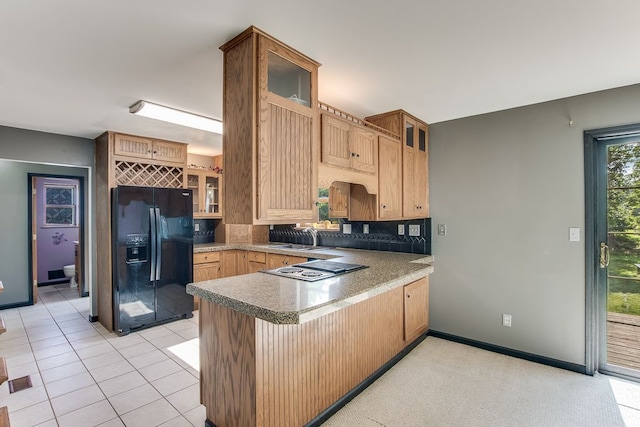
70	273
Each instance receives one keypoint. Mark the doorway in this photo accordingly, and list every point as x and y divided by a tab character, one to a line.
612	182
56	232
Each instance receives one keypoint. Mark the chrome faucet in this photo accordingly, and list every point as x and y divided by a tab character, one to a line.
314	235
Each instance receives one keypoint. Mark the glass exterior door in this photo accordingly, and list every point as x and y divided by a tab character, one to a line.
620	256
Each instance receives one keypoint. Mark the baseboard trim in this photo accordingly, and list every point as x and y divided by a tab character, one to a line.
327	413
511	352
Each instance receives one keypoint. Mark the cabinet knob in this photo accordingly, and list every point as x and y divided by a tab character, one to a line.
384	206
357	155
408	295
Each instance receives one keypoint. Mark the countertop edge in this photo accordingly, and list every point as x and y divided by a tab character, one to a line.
423	268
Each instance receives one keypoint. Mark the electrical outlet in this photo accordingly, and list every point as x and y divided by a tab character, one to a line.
414	230
506	320
365	228
196	227
401	229
442	230
346	228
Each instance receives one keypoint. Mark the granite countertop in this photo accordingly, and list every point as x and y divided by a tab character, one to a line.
284	300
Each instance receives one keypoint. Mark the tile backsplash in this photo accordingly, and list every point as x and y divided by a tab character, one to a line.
204	230
382	236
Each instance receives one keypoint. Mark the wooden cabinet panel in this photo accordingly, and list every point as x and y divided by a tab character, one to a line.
147	148
348	145
133	146
204	257
416	309
165	151
254	256
277	260
335	141
415	202
415	152
256	261
204	272
390	179
339	200
271	171
234	263
286	188
364	155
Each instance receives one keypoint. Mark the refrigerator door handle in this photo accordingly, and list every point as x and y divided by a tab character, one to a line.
159	232
153	235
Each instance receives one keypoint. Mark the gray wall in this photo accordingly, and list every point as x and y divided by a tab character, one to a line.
24	152
508	185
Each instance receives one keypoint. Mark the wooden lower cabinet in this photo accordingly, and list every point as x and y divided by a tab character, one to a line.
206	266
256	261
277	260
256	373
416	309
234	263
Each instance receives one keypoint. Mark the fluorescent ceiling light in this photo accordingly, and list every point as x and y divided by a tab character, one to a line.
171	115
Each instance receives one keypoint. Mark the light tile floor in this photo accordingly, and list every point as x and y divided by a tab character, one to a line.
83	375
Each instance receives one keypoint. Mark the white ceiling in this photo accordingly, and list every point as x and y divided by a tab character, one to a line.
74	67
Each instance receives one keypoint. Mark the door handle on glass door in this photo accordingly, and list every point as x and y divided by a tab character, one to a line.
604	255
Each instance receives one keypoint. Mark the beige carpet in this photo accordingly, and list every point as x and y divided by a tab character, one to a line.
442	383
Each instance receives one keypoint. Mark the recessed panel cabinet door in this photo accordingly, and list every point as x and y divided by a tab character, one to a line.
286	177
363	150
390	179
416	309
335	141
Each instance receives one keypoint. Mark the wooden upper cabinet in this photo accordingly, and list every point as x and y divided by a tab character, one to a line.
207	188
390	179
271	126
348	145
149	149
414	135
415	176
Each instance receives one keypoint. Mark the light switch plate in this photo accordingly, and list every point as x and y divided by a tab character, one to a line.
196	227
414	230
401	229
574	234
365	228
346	228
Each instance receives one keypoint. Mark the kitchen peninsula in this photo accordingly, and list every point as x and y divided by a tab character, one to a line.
280	351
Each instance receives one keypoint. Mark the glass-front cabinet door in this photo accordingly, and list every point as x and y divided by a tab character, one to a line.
193	183
212	195
206	187
288	80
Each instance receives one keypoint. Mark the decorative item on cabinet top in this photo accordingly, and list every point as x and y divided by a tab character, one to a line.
216	169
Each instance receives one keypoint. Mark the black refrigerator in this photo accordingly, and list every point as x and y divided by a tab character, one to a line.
152	243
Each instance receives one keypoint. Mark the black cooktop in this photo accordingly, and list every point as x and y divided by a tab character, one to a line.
331	266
